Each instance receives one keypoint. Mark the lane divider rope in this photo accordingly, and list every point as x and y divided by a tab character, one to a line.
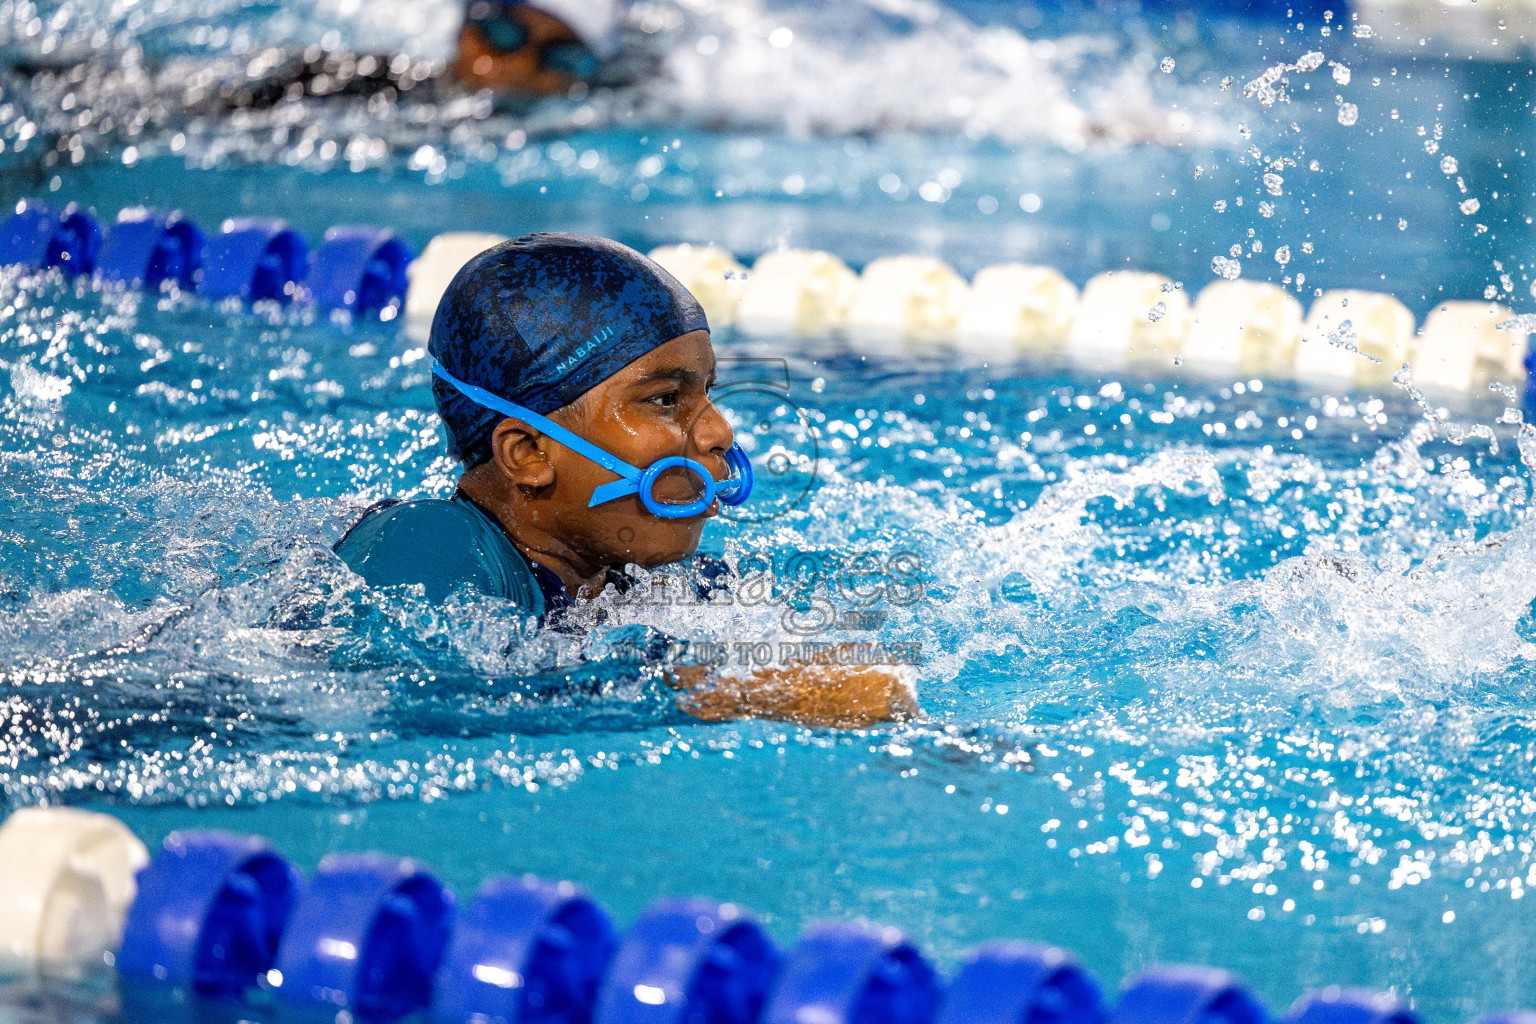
217	919
1007	310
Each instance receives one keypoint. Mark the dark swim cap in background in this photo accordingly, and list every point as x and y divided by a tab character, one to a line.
541	320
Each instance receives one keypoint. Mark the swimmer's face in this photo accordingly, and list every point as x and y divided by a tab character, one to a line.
518	49
657	406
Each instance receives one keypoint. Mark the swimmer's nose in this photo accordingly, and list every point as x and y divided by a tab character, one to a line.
712	436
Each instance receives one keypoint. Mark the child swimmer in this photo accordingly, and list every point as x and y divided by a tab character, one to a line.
559	363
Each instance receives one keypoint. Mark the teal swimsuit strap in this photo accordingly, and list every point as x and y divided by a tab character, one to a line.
551	586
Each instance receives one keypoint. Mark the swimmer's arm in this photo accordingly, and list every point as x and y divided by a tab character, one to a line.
834	696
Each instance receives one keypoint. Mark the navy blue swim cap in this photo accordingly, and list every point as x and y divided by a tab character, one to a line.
541	320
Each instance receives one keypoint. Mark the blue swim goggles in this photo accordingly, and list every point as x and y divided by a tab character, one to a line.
503	32
733	490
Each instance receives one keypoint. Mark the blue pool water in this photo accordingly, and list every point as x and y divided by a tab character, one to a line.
1225	671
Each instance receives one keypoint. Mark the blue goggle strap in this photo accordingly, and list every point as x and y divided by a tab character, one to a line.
630	482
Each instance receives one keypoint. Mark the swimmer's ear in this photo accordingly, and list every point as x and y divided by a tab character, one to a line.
515	450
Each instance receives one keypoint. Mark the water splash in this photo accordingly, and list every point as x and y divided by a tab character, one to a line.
1268	88
1343	336
108	77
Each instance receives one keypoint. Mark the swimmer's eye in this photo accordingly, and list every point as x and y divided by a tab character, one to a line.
667	399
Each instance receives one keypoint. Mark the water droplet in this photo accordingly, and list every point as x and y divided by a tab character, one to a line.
1283	255
1166	66
1340	73
1274	184
1220	206
1157	312
1348	114
1470	206
1178	360
1343	336
1526	442
1226	268
1448	164
1226	83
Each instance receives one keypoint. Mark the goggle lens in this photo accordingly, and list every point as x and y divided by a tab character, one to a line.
501	32
570	59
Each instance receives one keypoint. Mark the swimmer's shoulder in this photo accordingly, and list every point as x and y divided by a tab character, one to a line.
440	545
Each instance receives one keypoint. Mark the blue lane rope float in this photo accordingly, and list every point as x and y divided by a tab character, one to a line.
222	926
39	236
1021	983
1187	995
1334	1005
854	973
208	916
361	269
367	937
357	268
689	961
525	951
254	259
147	248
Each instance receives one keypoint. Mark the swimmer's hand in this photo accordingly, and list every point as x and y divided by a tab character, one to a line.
829	696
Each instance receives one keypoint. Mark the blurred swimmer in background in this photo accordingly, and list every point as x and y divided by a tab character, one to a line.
572	376
519	50
537	48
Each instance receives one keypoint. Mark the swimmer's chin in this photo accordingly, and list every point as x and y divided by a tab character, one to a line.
686	548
